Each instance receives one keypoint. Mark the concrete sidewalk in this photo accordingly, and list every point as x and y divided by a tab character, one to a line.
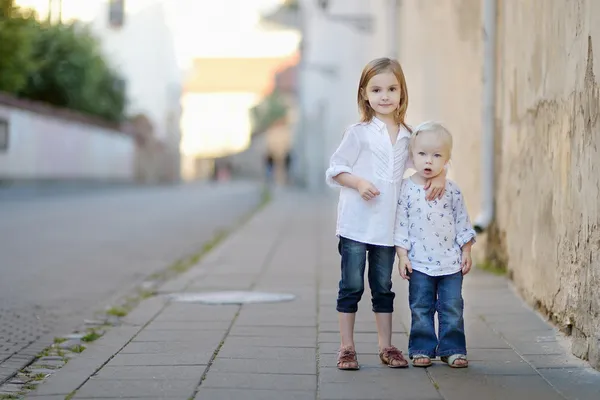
167	350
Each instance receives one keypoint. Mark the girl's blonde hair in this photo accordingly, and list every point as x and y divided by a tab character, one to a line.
433	127
376	67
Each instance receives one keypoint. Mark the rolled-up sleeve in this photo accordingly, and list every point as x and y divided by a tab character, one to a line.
343	158
464	230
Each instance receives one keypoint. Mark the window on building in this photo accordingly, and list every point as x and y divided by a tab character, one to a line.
3	135
116	13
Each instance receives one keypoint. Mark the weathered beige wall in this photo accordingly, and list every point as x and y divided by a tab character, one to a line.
440	52
548	165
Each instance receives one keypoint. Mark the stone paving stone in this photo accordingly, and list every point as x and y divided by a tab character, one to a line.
272	331
264	366
196	358
556	361
249	319
390	389
248	380
189	312
494	367
458	385
537	345
166	347
145	311
256	352
500	355
291	341
522	322
77	370
134	398
185	335
151	372
574	383
196	326
359	327
334	337
237	394
112	388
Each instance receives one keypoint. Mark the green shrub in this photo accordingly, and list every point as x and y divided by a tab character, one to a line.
60	64
72	73
17	32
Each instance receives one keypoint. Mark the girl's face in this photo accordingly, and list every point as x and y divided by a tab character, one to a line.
430	154
383	93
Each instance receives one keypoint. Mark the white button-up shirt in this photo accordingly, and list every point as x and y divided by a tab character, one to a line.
366	151
434	231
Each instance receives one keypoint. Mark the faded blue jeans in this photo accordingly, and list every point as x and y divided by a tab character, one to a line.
352	284
426	295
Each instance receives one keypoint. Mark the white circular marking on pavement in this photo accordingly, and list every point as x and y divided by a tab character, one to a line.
231	297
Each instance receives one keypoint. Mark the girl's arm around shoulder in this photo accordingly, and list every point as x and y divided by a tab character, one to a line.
343	159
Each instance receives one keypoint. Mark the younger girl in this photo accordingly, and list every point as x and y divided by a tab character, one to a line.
433	240
369	166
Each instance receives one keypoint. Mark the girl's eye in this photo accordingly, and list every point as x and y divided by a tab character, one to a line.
393	89
375	90
438	155
421	153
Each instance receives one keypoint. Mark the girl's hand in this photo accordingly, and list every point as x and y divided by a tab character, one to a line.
367	190
404	267
436	187
466	262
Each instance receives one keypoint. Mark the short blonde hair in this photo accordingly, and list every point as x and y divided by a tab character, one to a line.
376	67
433	127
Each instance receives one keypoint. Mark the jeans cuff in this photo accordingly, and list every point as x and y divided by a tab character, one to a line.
412	353
383	310
447	353
347	310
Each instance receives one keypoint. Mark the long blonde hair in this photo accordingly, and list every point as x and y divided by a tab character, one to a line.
376	67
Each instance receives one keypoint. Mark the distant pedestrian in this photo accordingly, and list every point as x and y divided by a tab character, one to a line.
368	166
269	167
433	240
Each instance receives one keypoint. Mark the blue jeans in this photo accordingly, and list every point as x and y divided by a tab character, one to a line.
426	295
352	283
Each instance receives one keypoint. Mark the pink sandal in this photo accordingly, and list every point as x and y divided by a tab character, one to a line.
347	359
393	358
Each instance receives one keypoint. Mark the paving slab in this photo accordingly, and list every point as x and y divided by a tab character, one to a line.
267	352
141	388
237	394
264	366
151	372
246	380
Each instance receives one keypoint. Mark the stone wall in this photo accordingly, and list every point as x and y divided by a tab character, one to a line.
548	135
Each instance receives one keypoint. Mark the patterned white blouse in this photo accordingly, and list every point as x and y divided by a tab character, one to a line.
367	151
433	232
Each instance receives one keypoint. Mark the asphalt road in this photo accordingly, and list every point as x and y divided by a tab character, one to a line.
64	256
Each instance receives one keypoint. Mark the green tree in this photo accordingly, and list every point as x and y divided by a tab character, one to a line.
18	29
72	73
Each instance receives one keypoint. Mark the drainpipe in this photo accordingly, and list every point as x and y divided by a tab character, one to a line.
485	218
393	15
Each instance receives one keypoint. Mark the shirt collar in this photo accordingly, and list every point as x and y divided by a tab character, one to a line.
380	125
